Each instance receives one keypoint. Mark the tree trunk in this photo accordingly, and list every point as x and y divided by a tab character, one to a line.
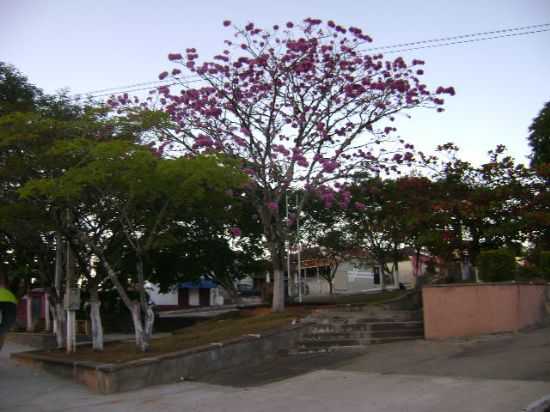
278	290
70	281
382	275
57	306
143	328
278	279
396	274
95	318
60	325
331	287
149	322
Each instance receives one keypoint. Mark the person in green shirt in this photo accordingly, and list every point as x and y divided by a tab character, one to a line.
8	305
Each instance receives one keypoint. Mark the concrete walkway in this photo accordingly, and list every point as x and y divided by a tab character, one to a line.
497	373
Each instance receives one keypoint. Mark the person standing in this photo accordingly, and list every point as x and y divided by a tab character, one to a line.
8	305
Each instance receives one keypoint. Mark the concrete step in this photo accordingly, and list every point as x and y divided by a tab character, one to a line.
396	325
327	342
302	351
374	341
336	335
381	316
397	333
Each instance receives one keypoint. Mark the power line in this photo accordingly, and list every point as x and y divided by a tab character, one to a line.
182	83
462	36
104	92
432	46
389	49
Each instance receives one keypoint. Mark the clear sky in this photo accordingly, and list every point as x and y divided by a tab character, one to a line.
501	84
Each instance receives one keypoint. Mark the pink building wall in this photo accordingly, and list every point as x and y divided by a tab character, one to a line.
476	309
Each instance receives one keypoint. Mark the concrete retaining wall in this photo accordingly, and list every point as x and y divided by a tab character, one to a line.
172	367
476	309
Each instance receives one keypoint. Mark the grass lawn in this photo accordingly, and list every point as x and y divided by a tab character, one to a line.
248	321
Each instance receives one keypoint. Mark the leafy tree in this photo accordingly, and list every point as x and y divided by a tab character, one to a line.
376	221
497	265
16	93
539	137
323	228
123	189
482	208
301	106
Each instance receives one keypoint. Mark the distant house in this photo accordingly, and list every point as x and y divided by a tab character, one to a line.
198	293
32	309
356	273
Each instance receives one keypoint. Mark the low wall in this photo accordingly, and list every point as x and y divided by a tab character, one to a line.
171	367
479	308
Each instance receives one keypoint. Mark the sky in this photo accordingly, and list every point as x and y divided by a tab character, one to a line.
501	84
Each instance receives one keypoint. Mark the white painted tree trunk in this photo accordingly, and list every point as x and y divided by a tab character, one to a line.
382	276
59	317
60	325
143	326
278	291
28	302
97	326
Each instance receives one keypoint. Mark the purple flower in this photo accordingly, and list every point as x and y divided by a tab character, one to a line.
163	75
226	23
235	231
359	206
174	56
273	206
290	25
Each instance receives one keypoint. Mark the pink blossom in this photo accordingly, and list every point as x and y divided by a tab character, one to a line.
227	23
235	231
273	206
163	75
290	25
174	56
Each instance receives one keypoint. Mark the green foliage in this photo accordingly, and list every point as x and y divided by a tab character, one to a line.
539	137
16	93
544	264
497	265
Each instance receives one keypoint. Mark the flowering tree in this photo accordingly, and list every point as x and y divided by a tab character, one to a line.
301	106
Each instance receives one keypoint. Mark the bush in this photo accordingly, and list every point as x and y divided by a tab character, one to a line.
497	265
544	264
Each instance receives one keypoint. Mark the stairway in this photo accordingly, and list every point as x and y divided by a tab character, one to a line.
355	327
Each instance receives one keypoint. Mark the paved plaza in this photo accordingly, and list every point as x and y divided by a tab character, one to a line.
492	373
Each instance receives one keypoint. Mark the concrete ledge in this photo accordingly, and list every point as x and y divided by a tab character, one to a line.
172	367
511	283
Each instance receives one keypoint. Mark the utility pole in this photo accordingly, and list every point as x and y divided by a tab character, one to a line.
289	284
299	254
